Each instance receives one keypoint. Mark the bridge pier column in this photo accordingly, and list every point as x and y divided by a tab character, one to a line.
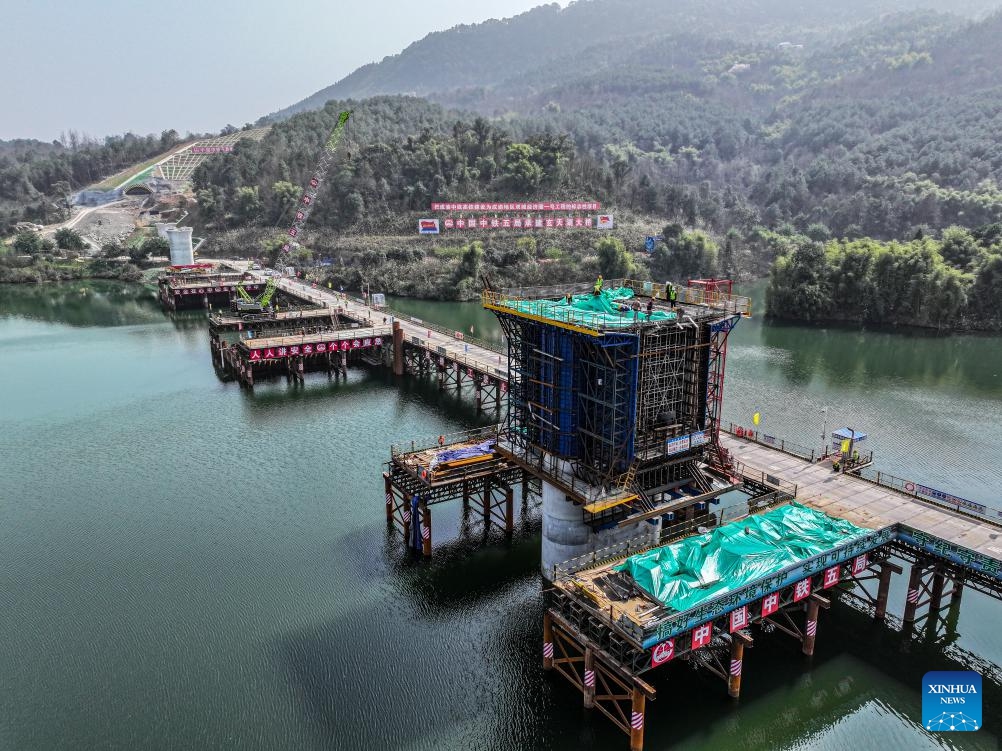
637	720
344	364
389	497
407	520
398	349
589	678
936	593
912	598
425	529
478	398
811	626
883	588
738	642
509	510
547	641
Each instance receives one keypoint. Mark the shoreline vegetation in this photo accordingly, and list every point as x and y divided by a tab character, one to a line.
937	285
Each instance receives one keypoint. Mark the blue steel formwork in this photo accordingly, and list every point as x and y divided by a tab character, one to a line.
635	405
573	395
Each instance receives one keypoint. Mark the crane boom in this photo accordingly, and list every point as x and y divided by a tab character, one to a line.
315	183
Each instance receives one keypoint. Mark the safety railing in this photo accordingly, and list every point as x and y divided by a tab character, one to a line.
608	554
276	339
521	300
493	366
737	304
761	477
478	435
535	306
559	471
931	495
780	444
453	334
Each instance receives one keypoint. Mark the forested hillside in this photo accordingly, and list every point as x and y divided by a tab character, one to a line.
37	178
488	53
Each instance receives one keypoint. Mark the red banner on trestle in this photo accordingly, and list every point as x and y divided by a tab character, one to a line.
319	348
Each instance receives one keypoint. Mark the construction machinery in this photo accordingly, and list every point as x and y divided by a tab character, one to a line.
245	304
312	188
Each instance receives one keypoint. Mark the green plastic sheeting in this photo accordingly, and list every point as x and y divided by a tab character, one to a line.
609	309
685	573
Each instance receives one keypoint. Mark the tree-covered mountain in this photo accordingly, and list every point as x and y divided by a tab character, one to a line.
488	53
749	149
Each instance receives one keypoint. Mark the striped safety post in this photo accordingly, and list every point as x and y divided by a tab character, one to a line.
811	628
547	641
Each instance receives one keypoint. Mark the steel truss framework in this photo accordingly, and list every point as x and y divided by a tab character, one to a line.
489	392
409	501
607	405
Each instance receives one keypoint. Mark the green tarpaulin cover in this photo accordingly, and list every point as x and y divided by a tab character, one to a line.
609	309
685	573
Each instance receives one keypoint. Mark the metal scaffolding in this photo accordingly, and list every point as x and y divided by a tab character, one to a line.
628	410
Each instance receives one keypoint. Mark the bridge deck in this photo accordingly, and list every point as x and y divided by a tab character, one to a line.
292	317
866	504
315	338
480	358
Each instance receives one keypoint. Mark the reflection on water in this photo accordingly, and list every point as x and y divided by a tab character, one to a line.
92	302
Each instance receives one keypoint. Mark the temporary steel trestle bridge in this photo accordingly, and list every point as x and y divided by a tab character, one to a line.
639	447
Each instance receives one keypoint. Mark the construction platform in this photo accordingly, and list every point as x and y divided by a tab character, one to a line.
615	399
435	470
290	319
190	291
297	353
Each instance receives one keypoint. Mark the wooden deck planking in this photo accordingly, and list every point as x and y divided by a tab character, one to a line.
864	503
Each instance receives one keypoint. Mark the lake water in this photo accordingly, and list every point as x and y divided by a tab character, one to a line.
187	565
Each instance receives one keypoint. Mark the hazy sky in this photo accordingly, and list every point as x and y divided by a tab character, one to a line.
110	66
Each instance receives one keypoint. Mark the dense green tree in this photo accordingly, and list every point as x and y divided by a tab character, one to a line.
284	196
614	261
151	246
687	255
247	205
958	247
522	173
27	243
67	239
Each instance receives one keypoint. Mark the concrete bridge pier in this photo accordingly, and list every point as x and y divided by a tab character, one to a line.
566	536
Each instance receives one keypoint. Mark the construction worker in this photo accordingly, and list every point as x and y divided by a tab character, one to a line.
836	465
569	298
855	457
650	308
671	293
598	286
